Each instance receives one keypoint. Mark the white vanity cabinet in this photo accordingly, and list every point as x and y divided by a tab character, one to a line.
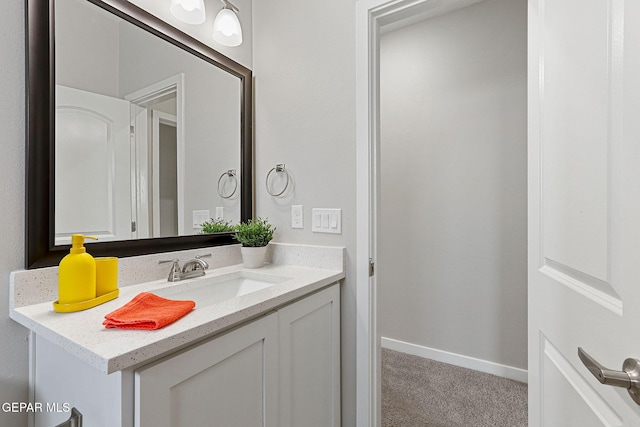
228	381
309	361
281	369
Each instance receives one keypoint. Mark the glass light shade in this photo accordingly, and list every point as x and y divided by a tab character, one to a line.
226	28
189	11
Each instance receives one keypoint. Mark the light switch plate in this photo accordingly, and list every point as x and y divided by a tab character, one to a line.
219	212
297	216
326	220
199	217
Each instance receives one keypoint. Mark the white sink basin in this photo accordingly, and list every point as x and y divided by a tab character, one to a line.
214	289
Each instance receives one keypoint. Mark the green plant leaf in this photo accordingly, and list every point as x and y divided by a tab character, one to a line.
254	233
216	226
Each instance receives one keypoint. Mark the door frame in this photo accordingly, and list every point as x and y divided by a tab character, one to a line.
372	17
144	98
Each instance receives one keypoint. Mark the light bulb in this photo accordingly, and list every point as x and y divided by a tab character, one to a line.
189	11
188	5
226	28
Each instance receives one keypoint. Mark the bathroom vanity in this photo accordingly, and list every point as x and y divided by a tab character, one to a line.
268	355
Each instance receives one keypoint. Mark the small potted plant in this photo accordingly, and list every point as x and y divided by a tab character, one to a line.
254	235
216	226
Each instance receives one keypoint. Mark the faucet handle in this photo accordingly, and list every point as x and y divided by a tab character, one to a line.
206	264
175	269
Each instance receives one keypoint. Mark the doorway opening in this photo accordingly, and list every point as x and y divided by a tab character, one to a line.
452	281
157	123
165	173
449	162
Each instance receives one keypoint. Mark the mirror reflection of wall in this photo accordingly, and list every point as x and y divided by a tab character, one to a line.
100	55
168	184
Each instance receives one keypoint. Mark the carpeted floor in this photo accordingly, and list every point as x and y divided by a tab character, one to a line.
425	393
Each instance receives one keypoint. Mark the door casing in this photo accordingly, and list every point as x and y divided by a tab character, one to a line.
372	17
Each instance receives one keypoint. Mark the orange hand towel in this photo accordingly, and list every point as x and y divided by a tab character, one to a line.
148	311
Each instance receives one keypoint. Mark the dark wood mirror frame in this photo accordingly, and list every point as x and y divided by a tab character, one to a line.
40	249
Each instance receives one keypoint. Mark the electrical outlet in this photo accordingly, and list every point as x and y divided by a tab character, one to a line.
297	216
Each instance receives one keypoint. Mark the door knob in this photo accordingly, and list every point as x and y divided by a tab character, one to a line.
75	420
628	378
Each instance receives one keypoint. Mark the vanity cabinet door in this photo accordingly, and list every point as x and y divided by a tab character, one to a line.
310	360
62	381
228	381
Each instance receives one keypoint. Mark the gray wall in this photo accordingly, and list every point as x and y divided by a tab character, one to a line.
168	189
14	349
452	239
89	62
304	64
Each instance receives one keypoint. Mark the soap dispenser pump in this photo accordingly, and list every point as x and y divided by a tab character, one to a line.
77	273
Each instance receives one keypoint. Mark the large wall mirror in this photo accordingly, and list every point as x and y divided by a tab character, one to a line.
136	133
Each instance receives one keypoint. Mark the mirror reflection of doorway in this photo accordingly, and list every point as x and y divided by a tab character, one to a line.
165	153
157	116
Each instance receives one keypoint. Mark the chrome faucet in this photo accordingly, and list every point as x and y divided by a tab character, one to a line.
193	268
196	263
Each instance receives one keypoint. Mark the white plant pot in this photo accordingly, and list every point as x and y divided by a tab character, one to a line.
253	257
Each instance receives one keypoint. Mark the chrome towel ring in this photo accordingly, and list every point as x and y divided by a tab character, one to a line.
231	173
279	168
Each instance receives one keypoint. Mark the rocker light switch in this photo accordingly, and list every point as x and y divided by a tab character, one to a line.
327	220
334	220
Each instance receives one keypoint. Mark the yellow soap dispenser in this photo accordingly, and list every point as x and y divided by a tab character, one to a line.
77	273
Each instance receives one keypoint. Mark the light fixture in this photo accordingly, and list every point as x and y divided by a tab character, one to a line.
226	28
189	11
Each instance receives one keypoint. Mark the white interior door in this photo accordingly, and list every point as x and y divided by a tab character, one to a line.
93	166
584	207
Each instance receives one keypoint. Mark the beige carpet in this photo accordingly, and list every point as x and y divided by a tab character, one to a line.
423	392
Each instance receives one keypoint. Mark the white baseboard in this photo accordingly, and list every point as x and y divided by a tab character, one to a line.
505	371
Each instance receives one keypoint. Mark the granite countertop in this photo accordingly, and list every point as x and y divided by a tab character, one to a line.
109	350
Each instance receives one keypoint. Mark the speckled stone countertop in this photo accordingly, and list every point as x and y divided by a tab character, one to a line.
109	350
